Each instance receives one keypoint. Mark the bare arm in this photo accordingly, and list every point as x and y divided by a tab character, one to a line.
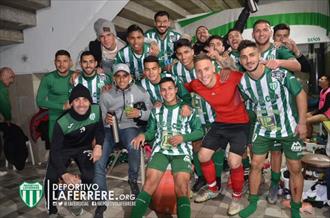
301	100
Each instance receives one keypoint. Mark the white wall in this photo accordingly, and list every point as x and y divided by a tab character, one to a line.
65	25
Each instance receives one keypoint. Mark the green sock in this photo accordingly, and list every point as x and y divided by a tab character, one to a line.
251	208
183	207
295	209
246	163
141	204
275	178
197	165
218	158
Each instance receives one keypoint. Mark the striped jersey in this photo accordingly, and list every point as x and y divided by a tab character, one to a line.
272	52
166	45
273	96
206	113
127	56
94	84
154	89
167	121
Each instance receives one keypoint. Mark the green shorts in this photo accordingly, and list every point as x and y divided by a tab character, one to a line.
292	146
179	163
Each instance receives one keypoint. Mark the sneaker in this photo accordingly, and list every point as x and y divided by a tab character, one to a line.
272	194
200	183
99	211
77	211
206	195
134	188
234	207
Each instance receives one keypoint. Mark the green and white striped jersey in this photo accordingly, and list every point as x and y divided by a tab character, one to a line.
154	89
94	84
167	121
272	53
205	111
166	45
273	96
127	56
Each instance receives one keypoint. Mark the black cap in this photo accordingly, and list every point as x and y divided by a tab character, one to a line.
80	91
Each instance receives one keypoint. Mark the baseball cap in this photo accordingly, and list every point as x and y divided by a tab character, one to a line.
120	67
102	25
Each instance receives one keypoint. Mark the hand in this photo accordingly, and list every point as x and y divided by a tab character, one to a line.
108	119
186	111
277	44
158	104
301	130
154	49
71	179
272	64
106	87
74	77
212	53
175	140
224	75
66	106
134	113
99	70
97	153
138	141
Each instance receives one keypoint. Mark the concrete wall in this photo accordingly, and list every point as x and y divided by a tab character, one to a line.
65	25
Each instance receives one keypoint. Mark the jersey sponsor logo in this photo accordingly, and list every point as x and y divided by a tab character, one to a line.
82	129
70	126
296	147
278	74
186	159
92	116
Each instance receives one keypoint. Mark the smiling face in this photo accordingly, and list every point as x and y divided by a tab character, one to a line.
63	64
152	71
88	64
234	38
262	33
168	92
136	40
185	55
108	40
249	58
202	34
205	72
80	105
7	77
162	23
122	79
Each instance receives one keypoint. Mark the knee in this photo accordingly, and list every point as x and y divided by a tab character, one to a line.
203	156
150	186
256	165
234	163
181	189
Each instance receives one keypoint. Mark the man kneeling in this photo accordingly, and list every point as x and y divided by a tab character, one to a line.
172	136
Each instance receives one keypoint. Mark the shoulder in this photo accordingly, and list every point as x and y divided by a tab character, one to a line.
150	31
135	87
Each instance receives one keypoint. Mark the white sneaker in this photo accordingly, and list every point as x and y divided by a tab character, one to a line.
205	195
234	207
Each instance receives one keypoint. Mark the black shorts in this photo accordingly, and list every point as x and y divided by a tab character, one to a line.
220	134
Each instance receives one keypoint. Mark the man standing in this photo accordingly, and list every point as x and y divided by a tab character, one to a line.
55	87
74	133
172	135
164	36
122	101
231	126
90	78
281	106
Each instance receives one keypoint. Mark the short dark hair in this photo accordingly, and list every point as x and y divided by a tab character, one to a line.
162	13
182	42
201	27
62	52
150	59
245	44
213	37
201	57
86	53
281	26
133	28
261	21
234	29
166	79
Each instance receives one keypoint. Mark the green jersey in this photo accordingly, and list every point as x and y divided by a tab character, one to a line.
277	53
5	108
94	84
235	56
154	89
127	56
165	122
273	96
165	45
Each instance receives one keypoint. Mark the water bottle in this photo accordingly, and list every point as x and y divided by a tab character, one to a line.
115	129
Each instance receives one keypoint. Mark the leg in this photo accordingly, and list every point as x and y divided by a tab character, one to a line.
313	120
276	162
218	159
200	182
